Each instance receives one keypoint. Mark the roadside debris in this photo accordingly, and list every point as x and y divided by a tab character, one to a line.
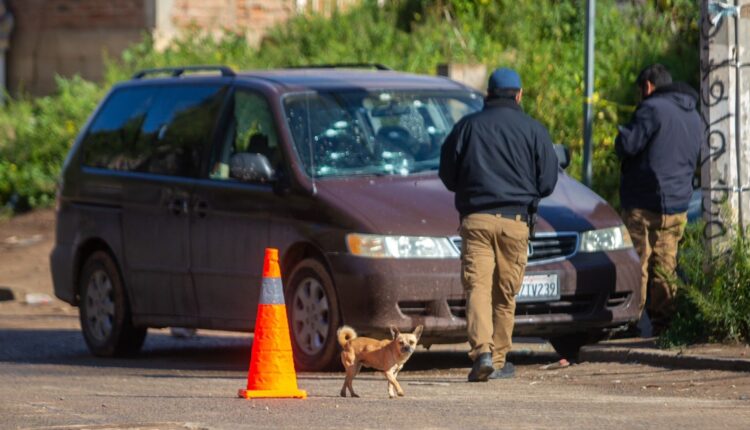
35	299
562	363
23	241
6	294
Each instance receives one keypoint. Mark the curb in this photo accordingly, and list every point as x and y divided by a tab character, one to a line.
662	358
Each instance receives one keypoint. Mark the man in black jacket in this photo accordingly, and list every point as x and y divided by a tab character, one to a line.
659	151
499	162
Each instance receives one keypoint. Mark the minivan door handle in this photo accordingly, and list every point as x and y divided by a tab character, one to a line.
178	206
201	209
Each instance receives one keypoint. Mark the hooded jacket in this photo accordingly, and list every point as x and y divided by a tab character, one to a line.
659	151
498	157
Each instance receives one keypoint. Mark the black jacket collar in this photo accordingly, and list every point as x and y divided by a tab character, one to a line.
679	93
677	87
499	102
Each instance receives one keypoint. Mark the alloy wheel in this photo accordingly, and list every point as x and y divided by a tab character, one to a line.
310	316
100	308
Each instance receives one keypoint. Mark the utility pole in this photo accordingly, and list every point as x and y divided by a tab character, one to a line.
725	108
588	114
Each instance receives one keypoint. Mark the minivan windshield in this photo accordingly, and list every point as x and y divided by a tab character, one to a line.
386	132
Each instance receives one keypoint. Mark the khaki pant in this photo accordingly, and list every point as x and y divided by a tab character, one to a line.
493	261
656	237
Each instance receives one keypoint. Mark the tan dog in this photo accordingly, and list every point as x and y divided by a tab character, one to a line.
387	356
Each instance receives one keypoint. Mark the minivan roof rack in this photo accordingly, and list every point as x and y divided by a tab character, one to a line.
179	71
376	66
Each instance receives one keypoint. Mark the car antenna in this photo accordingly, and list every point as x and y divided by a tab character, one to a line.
310	143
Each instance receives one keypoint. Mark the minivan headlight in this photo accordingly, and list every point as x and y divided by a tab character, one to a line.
606	239
377	246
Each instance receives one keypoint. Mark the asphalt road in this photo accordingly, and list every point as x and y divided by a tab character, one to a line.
49	380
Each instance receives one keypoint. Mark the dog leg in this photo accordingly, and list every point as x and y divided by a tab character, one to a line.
351	372
398	369
393	383
343	388
355	371
391	389
344	362
348	382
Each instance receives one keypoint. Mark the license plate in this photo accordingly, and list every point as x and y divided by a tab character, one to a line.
539	288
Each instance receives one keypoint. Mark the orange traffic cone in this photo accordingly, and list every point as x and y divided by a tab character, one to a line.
271	364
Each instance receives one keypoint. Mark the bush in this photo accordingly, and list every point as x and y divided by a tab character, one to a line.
35	136
713	299
543	40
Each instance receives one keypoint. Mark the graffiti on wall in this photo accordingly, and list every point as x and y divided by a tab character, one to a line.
717	67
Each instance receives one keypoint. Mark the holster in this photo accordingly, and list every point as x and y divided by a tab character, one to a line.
533	207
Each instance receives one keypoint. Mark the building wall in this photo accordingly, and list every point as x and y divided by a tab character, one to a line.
251	17
68	37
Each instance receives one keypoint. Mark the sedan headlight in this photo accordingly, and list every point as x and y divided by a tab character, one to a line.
376	246
606	239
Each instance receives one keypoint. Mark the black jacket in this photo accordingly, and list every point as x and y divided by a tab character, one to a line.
498	157
659	151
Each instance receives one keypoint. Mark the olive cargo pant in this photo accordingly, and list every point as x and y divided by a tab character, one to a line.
656	237
493	260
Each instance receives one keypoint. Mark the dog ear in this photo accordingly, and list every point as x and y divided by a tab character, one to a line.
394	332
418	331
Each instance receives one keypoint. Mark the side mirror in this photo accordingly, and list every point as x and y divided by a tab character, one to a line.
249	167
563	155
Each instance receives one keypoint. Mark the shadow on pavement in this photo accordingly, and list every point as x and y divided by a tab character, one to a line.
161	351
201	352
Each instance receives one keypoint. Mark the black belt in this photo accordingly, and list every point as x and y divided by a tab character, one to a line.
514	216
509	212
514	212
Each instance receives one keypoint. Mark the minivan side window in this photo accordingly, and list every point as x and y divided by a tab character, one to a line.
177	129
108	143
154	130
250	129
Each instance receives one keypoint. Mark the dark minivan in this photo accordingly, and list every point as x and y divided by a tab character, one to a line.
178	183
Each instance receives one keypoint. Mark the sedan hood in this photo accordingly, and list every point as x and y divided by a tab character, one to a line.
422	206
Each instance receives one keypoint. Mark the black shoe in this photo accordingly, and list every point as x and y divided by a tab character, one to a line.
482	368
508	371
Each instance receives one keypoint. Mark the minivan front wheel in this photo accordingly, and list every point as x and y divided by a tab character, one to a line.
104	310
313	313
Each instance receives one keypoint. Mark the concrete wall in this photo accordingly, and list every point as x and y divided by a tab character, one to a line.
67	37
725	98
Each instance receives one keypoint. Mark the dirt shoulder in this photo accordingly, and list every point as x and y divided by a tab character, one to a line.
25	244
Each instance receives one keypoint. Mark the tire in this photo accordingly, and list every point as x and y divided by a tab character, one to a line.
569	346
313	314
104	310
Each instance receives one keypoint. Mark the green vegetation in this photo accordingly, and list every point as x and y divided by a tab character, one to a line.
543	40
35	135
713	298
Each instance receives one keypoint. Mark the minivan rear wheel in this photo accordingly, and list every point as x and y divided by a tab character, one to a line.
104	310
313	314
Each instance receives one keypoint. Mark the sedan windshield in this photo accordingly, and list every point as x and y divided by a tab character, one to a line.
373	132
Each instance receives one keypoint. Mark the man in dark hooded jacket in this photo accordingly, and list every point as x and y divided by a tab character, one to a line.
659	151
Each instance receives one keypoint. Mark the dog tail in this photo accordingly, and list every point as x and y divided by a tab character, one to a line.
345	334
